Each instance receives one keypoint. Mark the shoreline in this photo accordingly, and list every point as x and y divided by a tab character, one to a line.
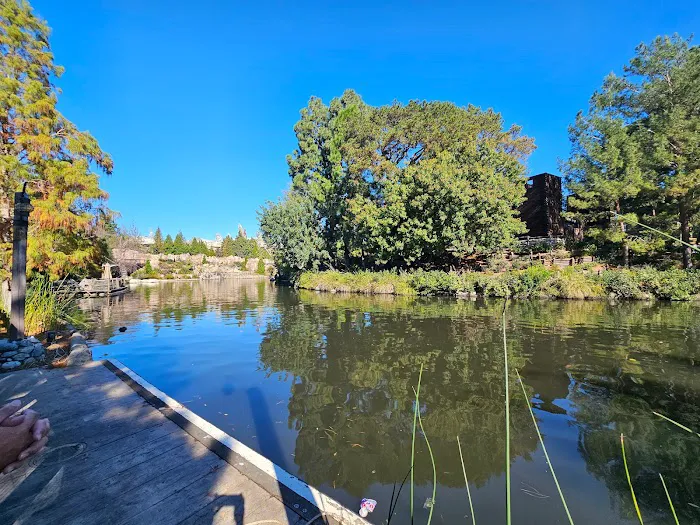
535	282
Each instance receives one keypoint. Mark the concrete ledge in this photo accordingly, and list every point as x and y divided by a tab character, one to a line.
304	499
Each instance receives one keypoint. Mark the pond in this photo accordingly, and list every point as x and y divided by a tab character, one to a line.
321	384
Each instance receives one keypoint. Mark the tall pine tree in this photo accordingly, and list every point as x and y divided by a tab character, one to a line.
158	241
40	146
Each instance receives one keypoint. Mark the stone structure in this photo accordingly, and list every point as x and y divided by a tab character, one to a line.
541	210
25	353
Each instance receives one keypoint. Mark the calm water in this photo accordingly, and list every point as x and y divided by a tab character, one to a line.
322	385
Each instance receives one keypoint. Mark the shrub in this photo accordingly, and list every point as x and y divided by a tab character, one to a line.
261	266
622	284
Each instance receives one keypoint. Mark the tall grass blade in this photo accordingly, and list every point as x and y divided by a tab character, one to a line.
413	438
668	496
629	480
659	232
676	423
544	449
505	363
432	460
466	482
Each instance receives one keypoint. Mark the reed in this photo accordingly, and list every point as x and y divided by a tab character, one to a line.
416	411
432	460
544	449
629	480
466	482
668	496
505	371
676	423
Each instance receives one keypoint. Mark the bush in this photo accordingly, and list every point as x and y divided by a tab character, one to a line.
261	267
147	272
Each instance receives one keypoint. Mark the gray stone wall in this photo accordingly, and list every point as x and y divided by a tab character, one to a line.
25	353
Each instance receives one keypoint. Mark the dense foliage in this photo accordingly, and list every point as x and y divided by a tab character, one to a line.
40	146
636	152
533	282
423	184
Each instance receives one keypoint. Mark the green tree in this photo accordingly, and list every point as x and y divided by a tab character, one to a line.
402	185
41	146
180	244
158	241
636	151
227	246
291	228
168	245
260	270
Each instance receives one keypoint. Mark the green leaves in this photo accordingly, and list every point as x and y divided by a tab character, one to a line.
404	185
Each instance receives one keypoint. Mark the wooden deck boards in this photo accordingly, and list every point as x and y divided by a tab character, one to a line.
137	466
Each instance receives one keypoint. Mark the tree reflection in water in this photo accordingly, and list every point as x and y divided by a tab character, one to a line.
593	370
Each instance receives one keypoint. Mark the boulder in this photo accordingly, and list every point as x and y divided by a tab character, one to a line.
38	351
20	356
11	353
11	365
79	355
30	362
6	345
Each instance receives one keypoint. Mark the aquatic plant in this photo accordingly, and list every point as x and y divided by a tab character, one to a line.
675	423
668	496
544	449
505	371
432	461
629	480
466	482
413	437
47	309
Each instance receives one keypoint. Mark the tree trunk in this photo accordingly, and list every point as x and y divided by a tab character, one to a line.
685	236
625	245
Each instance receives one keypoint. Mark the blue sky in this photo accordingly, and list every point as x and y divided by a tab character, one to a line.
196	100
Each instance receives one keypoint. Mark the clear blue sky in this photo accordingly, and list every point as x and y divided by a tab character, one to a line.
196	100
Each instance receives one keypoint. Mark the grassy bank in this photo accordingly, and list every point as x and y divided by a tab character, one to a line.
576	282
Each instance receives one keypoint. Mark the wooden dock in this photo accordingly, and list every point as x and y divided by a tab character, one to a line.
119	454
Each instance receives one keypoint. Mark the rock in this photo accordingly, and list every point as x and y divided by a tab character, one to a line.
11	353
20	356
77	339
24	343
6	345
38	351
10	365
30	362
79	355
32	339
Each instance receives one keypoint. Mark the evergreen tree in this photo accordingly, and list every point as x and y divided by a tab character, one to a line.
636	152
158	241
41	146
168	245
227	246
179	244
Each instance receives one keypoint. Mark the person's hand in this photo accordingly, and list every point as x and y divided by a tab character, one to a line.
21	436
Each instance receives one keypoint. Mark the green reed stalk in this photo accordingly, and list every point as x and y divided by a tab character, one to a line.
675	423
544	449
505	362
660	233
413	438
432	460
629	480
466	482
668	496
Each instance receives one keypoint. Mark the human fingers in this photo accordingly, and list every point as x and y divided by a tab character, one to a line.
41	429
9	409
30	417
34	448
13	421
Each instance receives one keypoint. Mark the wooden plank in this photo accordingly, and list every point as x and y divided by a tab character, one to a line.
224	496
92	466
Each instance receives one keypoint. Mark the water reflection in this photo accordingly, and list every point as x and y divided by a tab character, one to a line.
335	374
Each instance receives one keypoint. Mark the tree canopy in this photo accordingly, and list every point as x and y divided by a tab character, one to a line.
635	151
423	184
42	147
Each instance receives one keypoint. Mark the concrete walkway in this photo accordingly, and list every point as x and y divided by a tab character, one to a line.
116	458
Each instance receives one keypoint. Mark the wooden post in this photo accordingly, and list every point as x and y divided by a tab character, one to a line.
20	224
